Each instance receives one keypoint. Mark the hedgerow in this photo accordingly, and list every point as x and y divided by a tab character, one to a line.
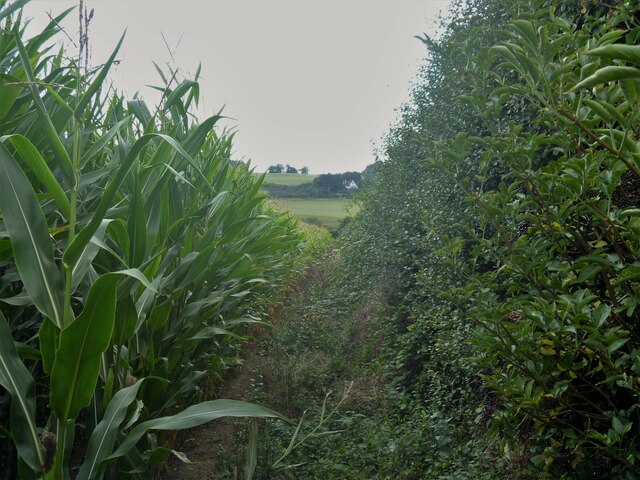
503	226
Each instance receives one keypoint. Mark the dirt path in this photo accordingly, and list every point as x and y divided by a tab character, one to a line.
212	448
311	334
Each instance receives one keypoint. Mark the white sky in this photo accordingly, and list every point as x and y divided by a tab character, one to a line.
307	82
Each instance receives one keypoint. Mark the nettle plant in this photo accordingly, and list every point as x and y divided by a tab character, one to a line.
133	256
559	312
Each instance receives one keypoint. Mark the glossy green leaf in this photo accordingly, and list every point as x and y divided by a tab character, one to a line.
629	53
611	36
631	89
527	32
605	111
616	345
601	314
609	74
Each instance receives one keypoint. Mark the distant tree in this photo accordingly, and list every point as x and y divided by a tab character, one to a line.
304	170
355	176
372	169
370	172
329	182
279	168
291	169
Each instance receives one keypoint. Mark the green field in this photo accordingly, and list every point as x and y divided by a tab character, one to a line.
291	179
328	212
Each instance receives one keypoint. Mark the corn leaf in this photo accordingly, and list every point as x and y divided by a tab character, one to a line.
9	9
192	417
174	97
61	154
89	252
137	227
74	249
40	169
212	332
97	82
8	93
193	143
104	140
16	379
251	458
140	111
104	436
30	239
75	370
48	339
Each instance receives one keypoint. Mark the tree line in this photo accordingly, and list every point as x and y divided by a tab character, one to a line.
326	185
280	168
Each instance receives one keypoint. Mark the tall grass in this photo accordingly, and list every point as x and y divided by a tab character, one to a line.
132	258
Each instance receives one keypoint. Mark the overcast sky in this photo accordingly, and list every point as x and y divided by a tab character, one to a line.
312	83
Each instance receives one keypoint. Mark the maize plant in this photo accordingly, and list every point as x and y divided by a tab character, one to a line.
133	258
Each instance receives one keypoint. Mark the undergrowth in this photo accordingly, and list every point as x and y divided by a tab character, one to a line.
332	358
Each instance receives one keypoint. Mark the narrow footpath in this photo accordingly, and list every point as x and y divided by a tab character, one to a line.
317	363
212	449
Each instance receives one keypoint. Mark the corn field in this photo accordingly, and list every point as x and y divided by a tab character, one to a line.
134	257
